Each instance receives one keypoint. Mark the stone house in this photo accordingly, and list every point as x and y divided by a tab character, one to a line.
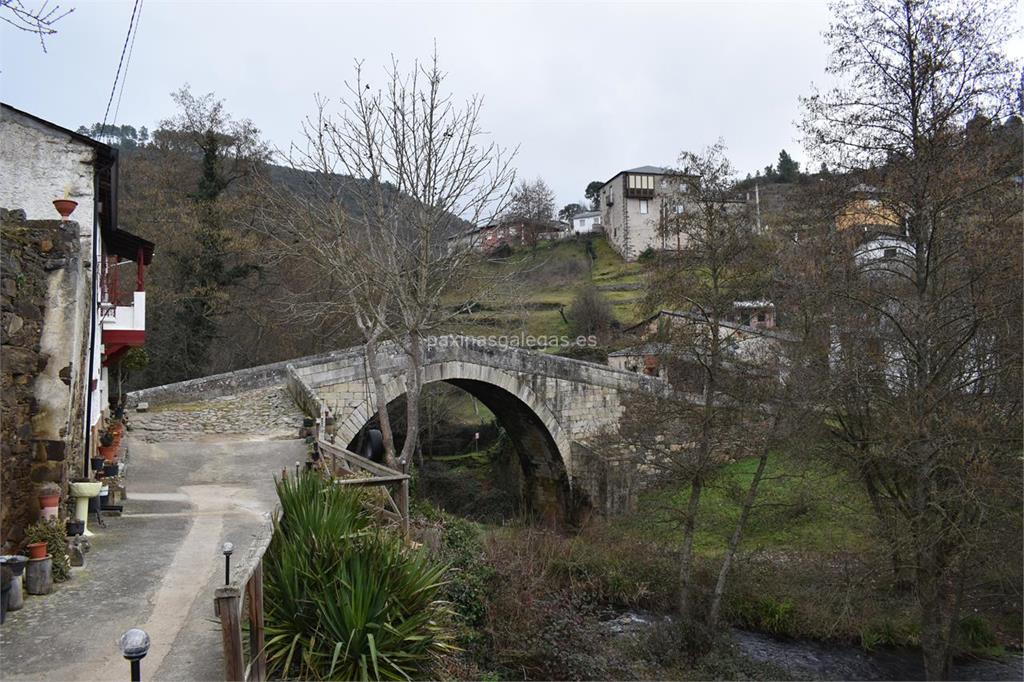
635	202
744	343
65	316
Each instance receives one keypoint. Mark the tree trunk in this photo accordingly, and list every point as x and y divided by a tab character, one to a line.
686	560
938	618
387	435
413	386
886	525
734	541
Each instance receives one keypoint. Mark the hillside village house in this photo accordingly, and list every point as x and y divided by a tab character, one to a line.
632	205
747	343
487	238
879	231
586	222
73	302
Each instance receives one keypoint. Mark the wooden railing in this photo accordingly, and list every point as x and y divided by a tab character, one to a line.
347	468
242	598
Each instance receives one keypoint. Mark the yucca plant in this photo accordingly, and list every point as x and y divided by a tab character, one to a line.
346	600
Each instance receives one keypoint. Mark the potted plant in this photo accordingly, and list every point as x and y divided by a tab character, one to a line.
108	451
50	534
36	550
49	495
74	527
96	463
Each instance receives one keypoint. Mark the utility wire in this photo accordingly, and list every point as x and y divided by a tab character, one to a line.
128	63
117	76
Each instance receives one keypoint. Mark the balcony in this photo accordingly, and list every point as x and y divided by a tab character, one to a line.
125	317
122	307
638	186
639	193
124	326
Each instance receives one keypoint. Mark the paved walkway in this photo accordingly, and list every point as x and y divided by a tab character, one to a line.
157	565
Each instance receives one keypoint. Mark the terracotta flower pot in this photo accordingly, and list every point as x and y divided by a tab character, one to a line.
65	207
117	428
46	501
37	550
108	453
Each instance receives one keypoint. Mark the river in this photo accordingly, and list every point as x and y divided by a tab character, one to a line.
836	661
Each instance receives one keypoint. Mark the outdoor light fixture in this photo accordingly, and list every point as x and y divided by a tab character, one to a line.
297	465
134	647
227	548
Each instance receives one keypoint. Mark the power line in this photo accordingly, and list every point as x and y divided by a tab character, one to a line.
117	76
128	63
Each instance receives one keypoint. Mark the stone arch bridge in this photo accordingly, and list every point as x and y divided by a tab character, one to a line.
551	406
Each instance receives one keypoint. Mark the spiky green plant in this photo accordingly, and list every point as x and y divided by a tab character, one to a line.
346	600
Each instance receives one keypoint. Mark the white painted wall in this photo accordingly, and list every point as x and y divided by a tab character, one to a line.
37	165
585	225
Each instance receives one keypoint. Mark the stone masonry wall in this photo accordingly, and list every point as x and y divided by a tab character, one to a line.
575	400
43	406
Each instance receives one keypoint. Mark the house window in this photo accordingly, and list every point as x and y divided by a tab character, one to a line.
760	317
643	206
641	182
679	208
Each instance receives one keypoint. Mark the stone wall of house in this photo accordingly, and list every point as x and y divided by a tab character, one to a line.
44	304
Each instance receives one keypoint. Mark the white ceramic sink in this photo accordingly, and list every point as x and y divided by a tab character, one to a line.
86	489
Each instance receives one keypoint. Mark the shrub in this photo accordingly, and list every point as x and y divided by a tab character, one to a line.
973	633
469	574
536	628
647	255
590	314
887	632
767	614
52	532
346	600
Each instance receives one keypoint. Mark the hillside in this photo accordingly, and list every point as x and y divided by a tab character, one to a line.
538	286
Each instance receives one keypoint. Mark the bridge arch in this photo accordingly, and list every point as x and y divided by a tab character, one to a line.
540	441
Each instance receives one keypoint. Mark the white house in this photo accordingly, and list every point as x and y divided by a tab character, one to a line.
102	314
587	221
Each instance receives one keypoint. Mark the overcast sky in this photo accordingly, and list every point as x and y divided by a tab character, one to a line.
584	89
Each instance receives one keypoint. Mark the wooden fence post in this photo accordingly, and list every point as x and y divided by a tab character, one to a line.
254	590
229	608
403	506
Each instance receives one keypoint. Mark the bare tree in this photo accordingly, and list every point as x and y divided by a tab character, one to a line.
531	201
395	174
39	20
718	264
920	374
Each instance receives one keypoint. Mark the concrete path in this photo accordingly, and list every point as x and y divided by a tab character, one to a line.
157	565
